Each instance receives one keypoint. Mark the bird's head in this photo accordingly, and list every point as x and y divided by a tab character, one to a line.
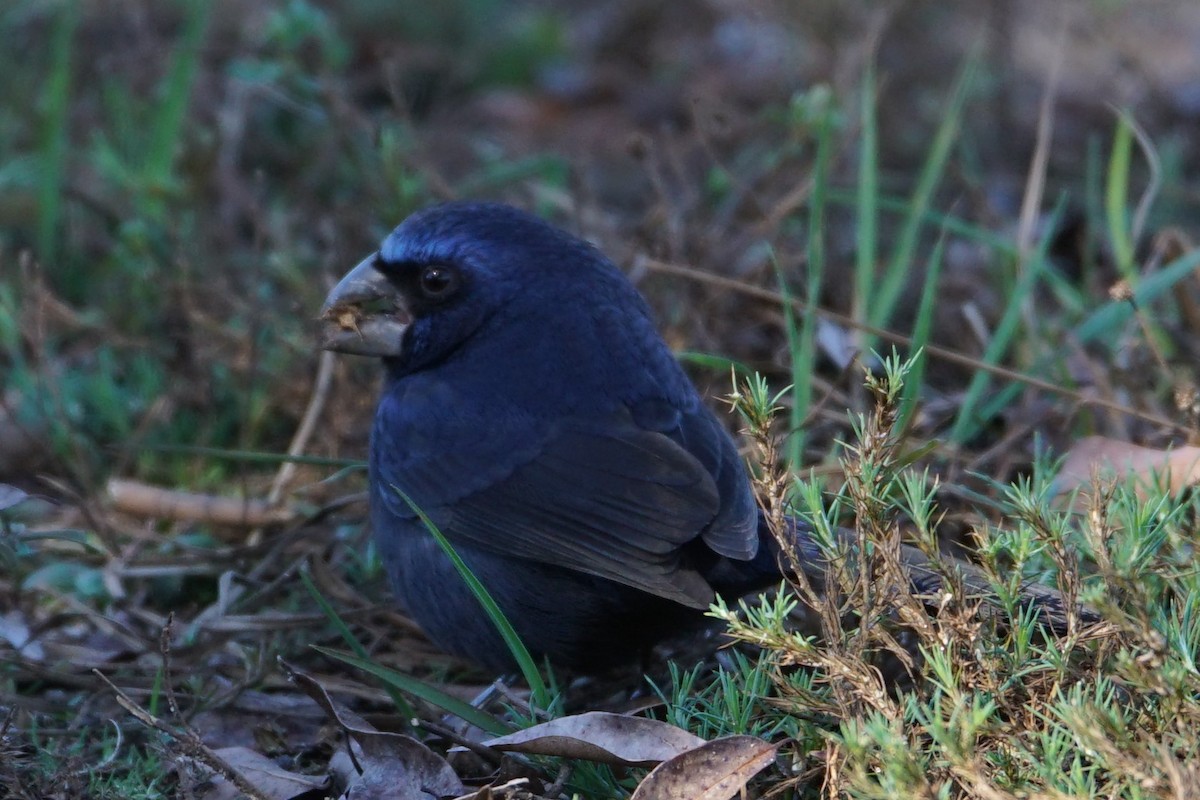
444	272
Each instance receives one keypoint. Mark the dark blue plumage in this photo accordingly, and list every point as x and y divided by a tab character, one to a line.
531	409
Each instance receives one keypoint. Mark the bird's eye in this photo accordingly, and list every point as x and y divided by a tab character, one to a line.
438	282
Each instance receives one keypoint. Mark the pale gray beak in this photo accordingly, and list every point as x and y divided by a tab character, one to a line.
364	314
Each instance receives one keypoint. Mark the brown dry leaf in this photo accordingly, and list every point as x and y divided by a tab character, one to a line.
268	778
398	767
1113	459
394	766
716	770
600	736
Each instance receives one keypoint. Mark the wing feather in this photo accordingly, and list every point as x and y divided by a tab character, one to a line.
602	495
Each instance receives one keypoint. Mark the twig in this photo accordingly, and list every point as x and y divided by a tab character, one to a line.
312	414
144	500
506	789
164	649
1035	182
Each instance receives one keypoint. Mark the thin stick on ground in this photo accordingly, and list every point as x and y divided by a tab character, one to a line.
188	740
943	353
308	425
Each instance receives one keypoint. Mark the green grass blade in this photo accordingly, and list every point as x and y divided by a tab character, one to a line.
902	260
505	173
402	705
867	200
999	243
966	424
1093	202
422	690
525	662
714	362
57	97
922	329
1116	198
168	123
802	343
1112	315
1107	321
802	378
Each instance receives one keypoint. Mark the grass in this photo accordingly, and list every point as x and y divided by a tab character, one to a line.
181	190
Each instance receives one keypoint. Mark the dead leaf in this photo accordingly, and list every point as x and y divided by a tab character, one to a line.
1112	459
837	343
260	720
716	770
268	778
15	631
11	496
599	736
394	766
398	767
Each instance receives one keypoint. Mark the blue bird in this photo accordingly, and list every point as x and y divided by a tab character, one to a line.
532	410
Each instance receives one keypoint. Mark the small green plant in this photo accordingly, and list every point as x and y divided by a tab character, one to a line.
100	764
982	699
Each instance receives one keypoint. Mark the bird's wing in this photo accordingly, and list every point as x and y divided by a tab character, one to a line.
734	531
603	496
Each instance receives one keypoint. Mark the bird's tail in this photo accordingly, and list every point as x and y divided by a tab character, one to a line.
929	580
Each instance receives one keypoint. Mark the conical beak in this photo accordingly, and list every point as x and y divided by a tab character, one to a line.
364	314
